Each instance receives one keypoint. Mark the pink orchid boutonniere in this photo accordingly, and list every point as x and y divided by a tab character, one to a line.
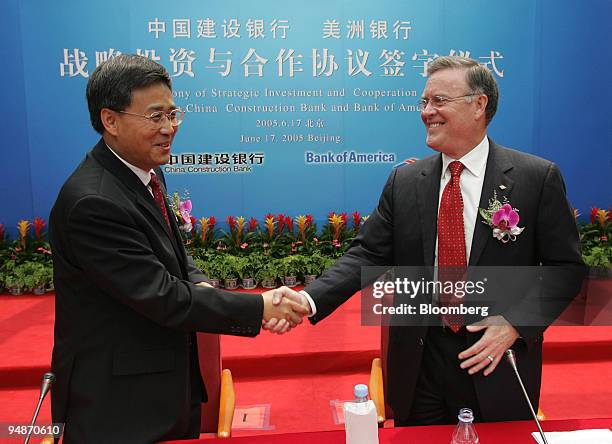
185	211
181	207
502	218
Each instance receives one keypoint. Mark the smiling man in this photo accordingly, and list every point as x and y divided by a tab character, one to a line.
128	298
428	215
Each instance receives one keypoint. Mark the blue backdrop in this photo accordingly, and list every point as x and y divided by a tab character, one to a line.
245	149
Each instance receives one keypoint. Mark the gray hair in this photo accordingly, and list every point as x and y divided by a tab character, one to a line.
479	79
112	83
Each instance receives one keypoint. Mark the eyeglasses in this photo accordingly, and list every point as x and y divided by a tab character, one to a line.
439	101
175	116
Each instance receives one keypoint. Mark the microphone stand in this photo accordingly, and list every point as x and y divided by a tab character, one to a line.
47	381
511	358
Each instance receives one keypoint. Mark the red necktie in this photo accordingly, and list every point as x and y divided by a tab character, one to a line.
451	243
158	195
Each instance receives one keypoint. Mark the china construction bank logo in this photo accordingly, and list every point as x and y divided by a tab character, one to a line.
214	163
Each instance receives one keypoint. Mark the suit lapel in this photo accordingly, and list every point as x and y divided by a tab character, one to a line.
144	199
428	190
498	165
176	234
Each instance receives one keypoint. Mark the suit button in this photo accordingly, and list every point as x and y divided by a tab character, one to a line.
421	342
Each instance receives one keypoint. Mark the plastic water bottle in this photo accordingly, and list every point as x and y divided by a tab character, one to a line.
360	418
465	433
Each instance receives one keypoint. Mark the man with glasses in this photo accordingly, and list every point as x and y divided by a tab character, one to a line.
128	298
428	215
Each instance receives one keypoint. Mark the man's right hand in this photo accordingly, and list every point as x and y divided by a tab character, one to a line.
280	325
283	309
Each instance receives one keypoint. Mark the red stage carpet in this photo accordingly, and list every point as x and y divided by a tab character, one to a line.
299	373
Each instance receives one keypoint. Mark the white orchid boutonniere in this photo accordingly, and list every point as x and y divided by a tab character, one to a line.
502	218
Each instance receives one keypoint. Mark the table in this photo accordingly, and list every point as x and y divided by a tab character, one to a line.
516	432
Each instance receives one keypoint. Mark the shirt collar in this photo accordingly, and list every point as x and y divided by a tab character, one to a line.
474	161
144	176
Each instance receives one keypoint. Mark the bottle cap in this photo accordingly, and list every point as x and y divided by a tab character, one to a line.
361	391
466	415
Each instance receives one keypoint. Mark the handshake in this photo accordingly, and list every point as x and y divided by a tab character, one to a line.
284	309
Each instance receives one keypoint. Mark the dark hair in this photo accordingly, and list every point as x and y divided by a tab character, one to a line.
479	79
112	83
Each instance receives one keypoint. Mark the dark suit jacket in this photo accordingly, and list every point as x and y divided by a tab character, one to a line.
126	309
402	232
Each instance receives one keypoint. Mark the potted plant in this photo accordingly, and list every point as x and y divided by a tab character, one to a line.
596	288
41	276
228	268
599	259
306	240
239	236
207	267
335	237
215	270
273	238
247	268
596	241
269	273
28	270
292	267
313	267
14	278
14	284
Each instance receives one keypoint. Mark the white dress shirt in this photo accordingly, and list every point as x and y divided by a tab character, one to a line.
472	178
144	176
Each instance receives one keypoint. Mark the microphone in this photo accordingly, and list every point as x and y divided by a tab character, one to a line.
47	381
511	358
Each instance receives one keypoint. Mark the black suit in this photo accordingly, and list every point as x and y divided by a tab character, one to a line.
402	232
125	356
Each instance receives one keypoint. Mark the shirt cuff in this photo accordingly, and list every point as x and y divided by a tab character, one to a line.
313	307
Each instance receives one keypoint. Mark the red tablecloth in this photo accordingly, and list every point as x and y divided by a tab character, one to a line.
495	433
